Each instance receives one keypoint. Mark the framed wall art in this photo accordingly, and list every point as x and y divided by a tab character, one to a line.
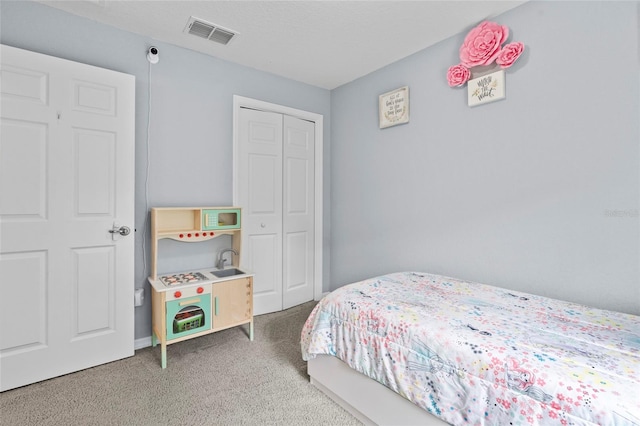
485	89
393	107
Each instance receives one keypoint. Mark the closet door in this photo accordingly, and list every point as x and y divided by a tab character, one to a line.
260	196
298	211
276	192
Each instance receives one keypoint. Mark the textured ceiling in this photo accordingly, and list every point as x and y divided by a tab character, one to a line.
322	43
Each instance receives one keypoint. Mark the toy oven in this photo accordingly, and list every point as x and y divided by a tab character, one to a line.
188	315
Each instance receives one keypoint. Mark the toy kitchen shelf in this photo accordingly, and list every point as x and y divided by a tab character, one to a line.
185	305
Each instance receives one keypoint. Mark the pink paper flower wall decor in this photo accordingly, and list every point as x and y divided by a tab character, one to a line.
482	47
509	53
458	75
482	44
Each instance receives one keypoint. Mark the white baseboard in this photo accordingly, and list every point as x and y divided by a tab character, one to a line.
143	342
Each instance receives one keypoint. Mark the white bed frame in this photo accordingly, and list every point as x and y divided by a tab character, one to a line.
369	401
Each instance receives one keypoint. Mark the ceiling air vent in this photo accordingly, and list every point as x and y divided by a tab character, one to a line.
213	32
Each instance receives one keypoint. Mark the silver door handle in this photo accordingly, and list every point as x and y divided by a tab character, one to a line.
262	225
123	230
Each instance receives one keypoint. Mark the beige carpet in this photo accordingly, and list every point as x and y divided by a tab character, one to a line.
218	379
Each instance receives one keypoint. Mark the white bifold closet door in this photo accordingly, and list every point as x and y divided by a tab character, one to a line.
276	193
66	180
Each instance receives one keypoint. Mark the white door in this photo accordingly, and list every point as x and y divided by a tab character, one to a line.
66	178
260	196
298	211
276	191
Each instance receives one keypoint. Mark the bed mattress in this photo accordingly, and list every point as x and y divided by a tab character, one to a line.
471	353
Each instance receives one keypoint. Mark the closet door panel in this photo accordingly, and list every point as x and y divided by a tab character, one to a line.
262	255
298	215
297	257
260	165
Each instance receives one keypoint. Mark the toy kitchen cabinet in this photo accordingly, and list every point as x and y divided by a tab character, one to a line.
185	305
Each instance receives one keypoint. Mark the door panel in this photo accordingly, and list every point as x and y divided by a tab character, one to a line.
261	201
67	175
299	214
94	98
94	157
262	256
25	85
297	187
297	260
29	328
263	174
23	184
93	284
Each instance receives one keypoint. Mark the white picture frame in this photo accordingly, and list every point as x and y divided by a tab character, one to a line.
393	107
487	88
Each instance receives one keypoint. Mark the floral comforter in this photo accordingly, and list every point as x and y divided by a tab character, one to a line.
475	354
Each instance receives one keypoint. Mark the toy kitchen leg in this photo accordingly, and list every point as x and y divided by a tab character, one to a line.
163	348
163	351
158	333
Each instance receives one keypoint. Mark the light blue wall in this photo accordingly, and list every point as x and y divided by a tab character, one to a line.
513	193
516	193
191	112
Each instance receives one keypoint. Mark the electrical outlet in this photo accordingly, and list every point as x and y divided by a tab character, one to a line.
138	297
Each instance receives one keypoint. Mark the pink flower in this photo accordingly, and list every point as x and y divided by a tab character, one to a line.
482	44
509	53
458	75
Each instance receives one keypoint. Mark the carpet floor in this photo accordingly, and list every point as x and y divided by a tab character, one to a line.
218	379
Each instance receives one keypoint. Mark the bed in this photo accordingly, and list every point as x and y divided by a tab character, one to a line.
468	353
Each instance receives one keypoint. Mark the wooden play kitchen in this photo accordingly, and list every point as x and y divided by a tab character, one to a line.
185	305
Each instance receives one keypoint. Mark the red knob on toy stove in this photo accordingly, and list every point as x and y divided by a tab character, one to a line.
197	234
177	294
189	235
181	235
200	290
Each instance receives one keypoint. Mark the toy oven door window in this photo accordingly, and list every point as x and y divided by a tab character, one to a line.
188	316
